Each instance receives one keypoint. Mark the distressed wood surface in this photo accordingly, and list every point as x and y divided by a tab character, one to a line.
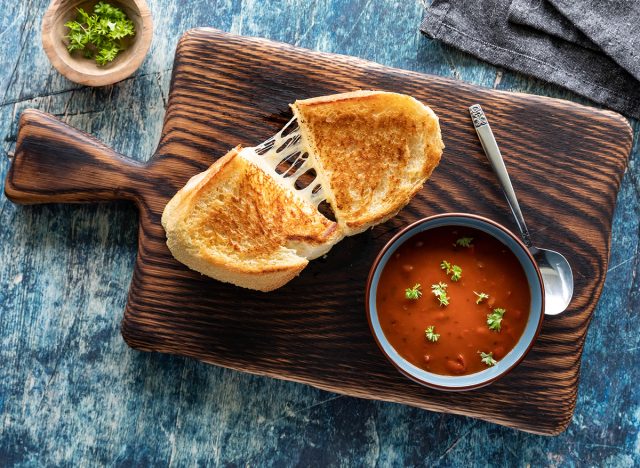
70	389
229	89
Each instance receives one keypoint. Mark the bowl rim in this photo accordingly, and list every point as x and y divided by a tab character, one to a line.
394	240
102	77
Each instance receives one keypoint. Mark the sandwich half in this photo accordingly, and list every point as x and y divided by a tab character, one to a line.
372	151
235	223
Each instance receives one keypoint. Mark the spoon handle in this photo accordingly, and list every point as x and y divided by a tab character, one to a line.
490	147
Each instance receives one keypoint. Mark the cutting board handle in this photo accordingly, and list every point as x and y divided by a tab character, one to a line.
54	162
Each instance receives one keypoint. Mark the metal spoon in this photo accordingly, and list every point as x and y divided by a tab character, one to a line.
555	269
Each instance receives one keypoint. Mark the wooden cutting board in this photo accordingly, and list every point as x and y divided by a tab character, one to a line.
566	162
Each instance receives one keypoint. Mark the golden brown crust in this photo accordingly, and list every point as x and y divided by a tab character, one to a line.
373	151
238	223
234	223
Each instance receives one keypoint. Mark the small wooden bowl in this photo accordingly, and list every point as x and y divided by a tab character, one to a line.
83	70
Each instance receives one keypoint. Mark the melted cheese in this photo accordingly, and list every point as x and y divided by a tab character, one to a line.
287	149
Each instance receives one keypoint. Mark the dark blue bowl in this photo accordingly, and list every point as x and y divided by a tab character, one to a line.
522	347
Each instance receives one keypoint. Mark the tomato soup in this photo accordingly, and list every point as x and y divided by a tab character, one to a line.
453	300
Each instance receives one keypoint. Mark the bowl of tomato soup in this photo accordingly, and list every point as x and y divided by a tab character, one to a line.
455	301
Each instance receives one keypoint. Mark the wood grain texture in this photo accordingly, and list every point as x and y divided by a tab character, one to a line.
228	90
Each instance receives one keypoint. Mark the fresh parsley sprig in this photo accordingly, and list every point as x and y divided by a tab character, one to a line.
494	319
100	36
440	291
464	242
481	297
487	358
413	294
431	334
454	270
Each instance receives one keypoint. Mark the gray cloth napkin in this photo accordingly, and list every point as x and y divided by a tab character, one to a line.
543	16
612	24
604	68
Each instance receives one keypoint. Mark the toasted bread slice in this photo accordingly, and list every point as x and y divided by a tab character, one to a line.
235	223
372	151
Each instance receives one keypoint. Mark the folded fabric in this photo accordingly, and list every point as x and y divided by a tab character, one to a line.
612	24
543	16
482	28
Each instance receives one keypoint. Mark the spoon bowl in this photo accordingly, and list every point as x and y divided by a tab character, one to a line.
557	278
554	267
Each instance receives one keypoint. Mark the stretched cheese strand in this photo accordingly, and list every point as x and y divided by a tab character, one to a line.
287	147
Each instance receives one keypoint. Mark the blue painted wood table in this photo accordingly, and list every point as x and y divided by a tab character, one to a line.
72	393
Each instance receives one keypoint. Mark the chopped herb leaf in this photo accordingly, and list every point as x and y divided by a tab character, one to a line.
440	291
99	36
413	293
431	334
494	319
464	242
481	297
487	358
454	270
